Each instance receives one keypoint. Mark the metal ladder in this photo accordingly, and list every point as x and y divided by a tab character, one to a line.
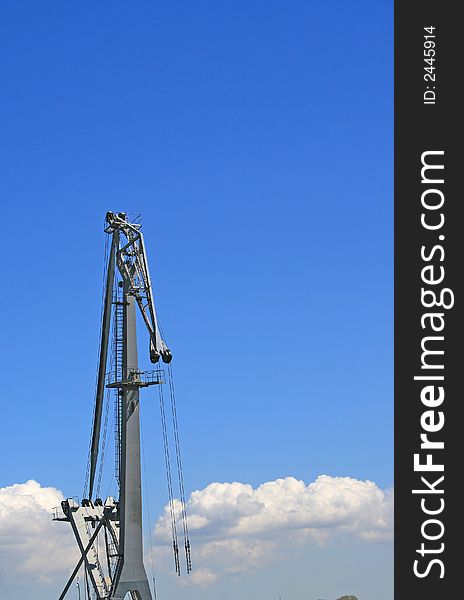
118	346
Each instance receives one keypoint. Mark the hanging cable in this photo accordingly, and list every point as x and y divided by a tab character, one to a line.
169	481
104	444
180	475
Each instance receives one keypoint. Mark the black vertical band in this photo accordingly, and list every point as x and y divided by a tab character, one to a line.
429	333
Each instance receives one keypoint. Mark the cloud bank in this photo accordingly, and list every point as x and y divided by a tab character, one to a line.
31	544
235	527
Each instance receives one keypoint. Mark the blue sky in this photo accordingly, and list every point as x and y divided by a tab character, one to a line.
256	140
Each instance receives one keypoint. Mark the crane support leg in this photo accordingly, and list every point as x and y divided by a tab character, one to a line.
82	559
132	576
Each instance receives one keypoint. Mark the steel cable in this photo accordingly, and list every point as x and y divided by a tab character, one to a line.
169	481
180	474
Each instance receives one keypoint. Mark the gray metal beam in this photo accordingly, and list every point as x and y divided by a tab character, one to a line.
132	576
105	332
81	560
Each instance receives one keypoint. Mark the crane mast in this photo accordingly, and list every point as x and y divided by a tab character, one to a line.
127	286
128	254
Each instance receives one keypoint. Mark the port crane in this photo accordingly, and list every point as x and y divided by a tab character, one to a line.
109	532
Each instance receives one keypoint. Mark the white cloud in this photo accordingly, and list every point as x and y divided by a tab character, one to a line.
235	527
202	577
31	544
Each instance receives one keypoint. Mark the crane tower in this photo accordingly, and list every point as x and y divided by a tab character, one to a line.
116	524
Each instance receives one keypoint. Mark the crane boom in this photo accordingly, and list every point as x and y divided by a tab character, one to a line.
132	263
